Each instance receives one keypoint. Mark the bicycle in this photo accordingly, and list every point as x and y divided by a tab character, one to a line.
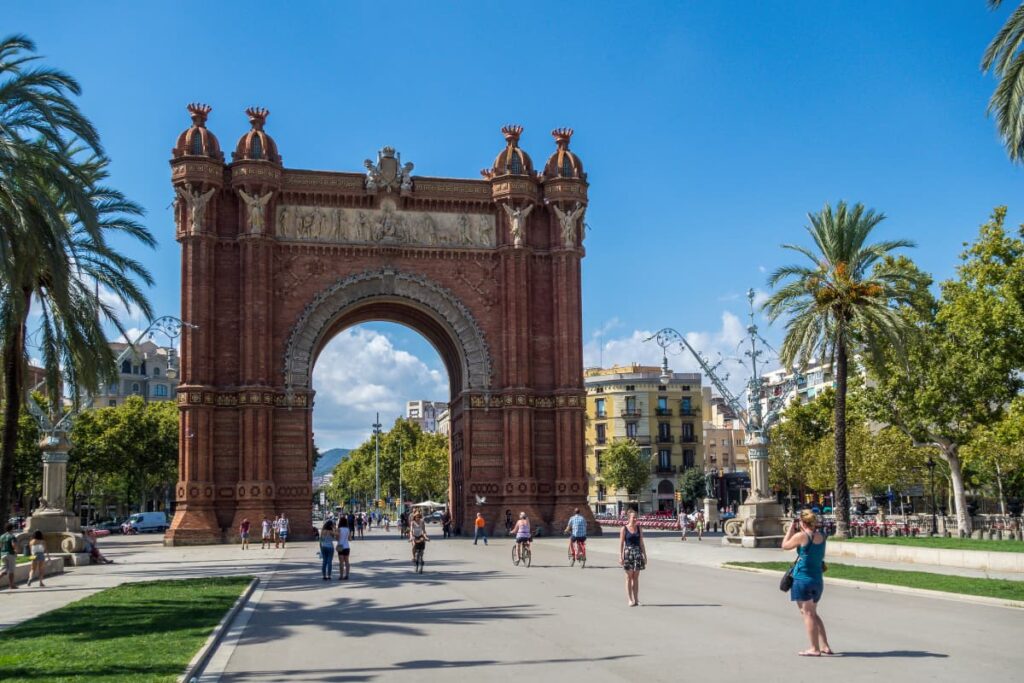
521	553
577	553
417	557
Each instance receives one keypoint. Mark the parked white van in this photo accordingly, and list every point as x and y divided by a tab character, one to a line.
148	521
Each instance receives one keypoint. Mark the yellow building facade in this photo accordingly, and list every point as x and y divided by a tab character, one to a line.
664	419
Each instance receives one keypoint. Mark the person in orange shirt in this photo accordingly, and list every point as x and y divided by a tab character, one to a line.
478	530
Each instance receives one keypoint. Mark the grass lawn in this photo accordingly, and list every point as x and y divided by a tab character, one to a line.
134	632
947	543
967	585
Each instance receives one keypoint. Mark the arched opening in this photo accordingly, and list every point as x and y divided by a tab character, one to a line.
666	495
387	370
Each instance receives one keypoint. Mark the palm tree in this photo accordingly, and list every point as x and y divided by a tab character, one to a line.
842	304
55	216
1005	58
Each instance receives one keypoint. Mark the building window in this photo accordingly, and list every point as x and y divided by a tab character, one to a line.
631	430
156	372
688	458
566	167
664	459
662	402
126	367
688	433
685	406
630	387
135	388
662	387
601	433
160	390
197	143
517	165
257	147
664	431
601	492
597	462
112	403
631	404
599	408
599	390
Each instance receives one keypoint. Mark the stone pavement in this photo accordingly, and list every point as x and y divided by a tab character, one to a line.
472	613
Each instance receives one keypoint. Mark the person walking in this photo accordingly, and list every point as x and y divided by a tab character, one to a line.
243	531
327	537
479	530
508	520
38	568
699	523
684	522
282	530
360	522
266	530
808	578
8	554
344	534
632	556
351	525
446	524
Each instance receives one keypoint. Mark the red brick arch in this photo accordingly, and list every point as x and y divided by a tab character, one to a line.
277	261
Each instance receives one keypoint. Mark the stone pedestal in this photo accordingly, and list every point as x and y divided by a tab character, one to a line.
711	511
758	524
61	530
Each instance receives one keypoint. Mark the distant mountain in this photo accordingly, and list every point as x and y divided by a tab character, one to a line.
329	459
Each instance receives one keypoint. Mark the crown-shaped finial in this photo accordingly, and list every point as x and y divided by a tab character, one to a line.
199	112
257	117
388	151
512	132
562	137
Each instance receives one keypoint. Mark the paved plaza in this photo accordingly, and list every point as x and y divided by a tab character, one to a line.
472	613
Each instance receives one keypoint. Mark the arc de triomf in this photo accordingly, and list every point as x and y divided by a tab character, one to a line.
276	261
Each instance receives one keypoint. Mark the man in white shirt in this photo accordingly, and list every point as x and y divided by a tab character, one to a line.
683	521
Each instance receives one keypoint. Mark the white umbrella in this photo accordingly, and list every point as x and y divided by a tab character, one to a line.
429	504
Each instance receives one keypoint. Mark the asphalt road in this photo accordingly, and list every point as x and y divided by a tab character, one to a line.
473	614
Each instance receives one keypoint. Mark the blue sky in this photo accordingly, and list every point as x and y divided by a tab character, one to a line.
708	129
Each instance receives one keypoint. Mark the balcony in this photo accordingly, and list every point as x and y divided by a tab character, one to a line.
688	438
663	412
631	413
601	416
665	469
666	438
689	412
600	441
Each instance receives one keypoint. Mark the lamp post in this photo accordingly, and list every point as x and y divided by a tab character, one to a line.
931	474
376	457
401	496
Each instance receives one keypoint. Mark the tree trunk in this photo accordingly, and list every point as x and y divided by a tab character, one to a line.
956	476
841	504
13	360
1002	496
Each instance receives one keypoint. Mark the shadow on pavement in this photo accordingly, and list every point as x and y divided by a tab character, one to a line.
365	674
909	654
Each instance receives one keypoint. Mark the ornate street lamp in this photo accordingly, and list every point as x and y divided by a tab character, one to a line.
376	455
760	515
931	464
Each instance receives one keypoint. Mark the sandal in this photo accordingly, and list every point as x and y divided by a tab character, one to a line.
809	653
827	651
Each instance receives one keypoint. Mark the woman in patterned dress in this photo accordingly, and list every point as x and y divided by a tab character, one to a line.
632	557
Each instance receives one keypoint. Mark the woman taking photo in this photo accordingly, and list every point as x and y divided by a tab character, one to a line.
327	549
808	579
632	557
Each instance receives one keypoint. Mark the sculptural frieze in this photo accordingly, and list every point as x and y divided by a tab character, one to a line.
386	225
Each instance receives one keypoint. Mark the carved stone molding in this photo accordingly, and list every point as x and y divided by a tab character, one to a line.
386	225
334	301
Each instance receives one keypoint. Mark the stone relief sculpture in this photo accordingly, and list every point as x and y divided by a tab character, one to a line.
256	206
406	177
517	221
567	219
386	225
388	174
196	205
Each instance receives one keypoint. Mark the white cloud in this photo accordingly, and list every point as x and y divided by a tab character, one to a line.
123	312
360	373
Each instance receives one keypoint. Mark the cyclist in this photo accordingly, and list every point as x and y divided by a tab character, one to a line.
417	534
521	530
577	528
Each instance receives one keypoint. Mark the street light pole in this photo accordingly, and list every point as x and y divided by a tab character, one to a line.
401	496
931	473
376	457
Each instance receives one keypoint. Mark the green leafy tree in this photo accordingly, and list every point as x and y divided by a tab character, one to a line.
997	451
1005	59
56	222
691	485
624	466
962	363
841	304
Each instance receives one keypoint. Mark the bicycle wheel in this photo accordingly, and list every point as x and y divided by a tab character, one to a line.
515	554
527	555
420	558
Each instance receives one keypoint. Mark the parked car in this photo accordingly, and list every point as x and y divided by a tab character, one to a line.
142	522
435	517
727	515
113	526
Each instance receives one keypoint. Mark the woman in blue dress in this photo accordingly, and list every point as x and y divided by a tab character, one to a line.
808	578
